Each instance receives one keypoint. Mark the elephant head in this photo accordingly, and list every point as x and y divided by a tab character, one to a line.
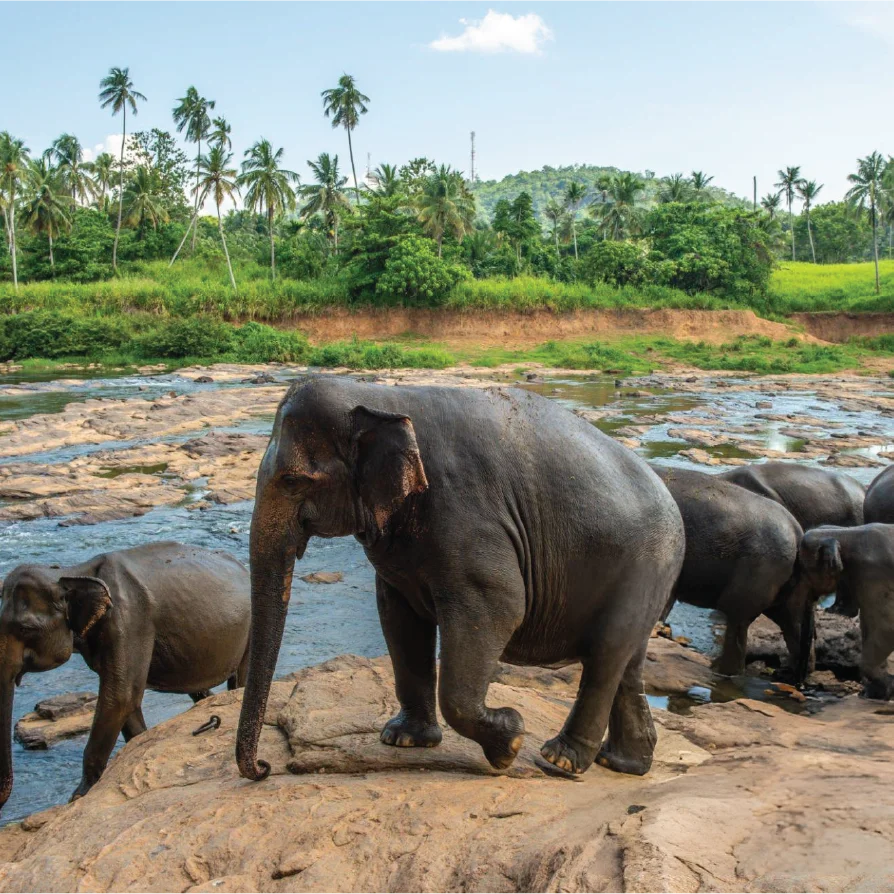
40	615
331	469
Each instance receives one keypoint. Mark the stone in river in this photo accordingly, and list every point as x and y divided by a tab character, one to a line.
323	577
55	719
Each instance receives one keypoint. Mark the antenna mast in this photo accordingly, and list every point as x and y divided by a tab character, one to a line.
472	178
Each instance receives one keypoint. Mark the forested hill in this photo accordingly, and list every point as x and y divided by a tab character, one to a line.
550	183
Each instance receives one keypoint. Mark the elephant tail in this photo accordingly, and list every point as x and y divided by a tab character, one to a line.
808	633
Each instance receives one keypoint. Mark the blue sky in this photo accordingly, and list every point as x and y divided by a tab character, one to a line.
734	89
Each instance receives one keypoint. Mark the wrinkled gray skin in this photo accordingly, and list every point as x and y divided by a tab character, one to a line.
860	561
741	559
163	616
495	518
879	503
813	496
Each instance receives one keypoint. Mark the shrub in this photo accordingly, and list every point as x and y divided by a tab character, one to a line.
415	274
256	343
617	263
49	334
197	337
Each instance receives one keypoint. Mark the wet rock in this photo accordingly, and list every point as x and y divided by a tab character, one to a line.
853	460
203	380
55	719
323	577
837	643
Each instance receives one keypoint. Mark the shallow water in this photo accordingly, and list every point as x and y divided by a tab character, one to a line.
327	620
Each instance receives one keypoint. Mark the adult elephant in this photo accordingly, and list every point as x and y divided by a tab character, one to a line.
859	561
741	559
493	517
879	503
813	496
162	616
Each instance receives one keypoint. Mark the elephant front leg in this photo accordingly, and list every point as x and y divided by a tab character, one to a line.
877	646
411	645
731	662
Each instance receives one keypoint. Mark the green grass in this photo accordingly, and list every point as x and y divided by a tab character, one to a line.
806	287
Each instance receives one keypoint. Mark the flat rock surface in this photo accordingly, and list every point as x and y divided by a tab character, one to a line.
743	796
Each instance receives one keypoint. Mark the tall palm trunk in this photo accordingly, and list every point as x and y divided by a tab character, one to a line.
574	236
791	226
875	246
120	190
353	169
52	260
223	239
13	250
556	234
272	250
196	207
185	237
810	235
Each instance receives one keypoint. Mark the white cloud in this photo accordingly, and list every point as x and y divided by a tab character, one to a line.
498	32
112	145
876	18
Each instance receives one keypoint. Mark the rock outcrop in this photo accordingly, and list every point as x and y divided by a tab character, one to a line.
742	796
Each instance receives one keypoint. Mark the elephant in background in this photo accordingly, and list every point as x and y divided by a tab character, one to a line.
495	518
879	503
162	616
741	559
861	562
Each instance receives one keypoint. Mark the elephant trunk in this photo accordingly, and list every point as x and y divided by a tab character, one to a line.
9	669
276	541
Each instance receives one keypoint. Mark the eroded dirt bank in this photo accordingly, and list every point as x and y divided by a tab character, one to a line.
742	797
839	327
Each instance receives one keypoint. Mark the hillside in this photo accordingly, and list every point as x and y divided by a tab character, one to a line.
550	183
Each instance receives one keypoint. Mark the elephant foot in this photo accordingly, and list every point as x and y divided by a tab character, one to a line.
727	667
568	755
403	731
881	690
81	790
636	764
504	737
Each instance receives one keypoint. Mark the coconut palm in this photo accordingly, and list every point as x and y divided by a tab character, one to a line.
102	168
46	211
699	181
445	205
345	104
191	114
619	213
13	175
116	91
675	188
770	203
143	201
220	133
327	196
218	179
268	186
788	181
575	193
387	181
66	153
555	214
869	184
808	190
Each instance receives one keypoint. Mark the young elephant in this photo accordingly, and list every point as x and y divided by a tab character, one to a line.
879	503
860	561
163	616
495	520
741	557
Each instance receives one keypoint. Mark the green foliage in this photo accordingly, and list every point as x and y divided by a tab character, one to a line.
194	337
415	275
363	355
803	287
839	234
617	263
49	334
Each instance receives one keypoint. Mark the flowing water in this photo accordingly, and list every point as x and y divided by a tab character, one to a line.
324	619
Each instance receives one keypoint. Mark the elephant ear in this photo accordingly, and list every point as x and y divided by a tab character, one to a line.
386	464
87	600
830	557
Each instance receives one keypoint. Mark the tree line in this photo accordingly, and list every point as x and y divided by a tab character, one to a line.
411	231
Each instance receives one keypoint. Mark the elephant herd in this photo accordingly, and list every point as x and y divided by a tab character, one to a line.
498	523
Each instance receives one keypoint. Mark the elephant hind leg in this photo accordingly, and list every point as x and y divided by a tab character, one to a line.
237	680
134	725
198	696
878	643
631	732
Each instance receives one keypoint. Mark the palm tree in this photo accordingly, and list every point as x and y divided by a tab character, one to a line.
445	205
867	190
220	133
387	181
619	213
268	186
143	200
101	168
770	203
116	91
675	188
575	193
46	211
555	214
13	174
327	196
700	181
219	180
808	190
66	153
345	104
788	181
191	115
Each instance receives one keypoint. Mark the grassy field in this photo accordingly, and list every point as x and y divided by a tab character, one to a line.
823	287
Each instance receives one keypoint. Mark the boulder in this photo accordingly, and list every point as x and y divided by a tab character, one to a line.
837	643
54	719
